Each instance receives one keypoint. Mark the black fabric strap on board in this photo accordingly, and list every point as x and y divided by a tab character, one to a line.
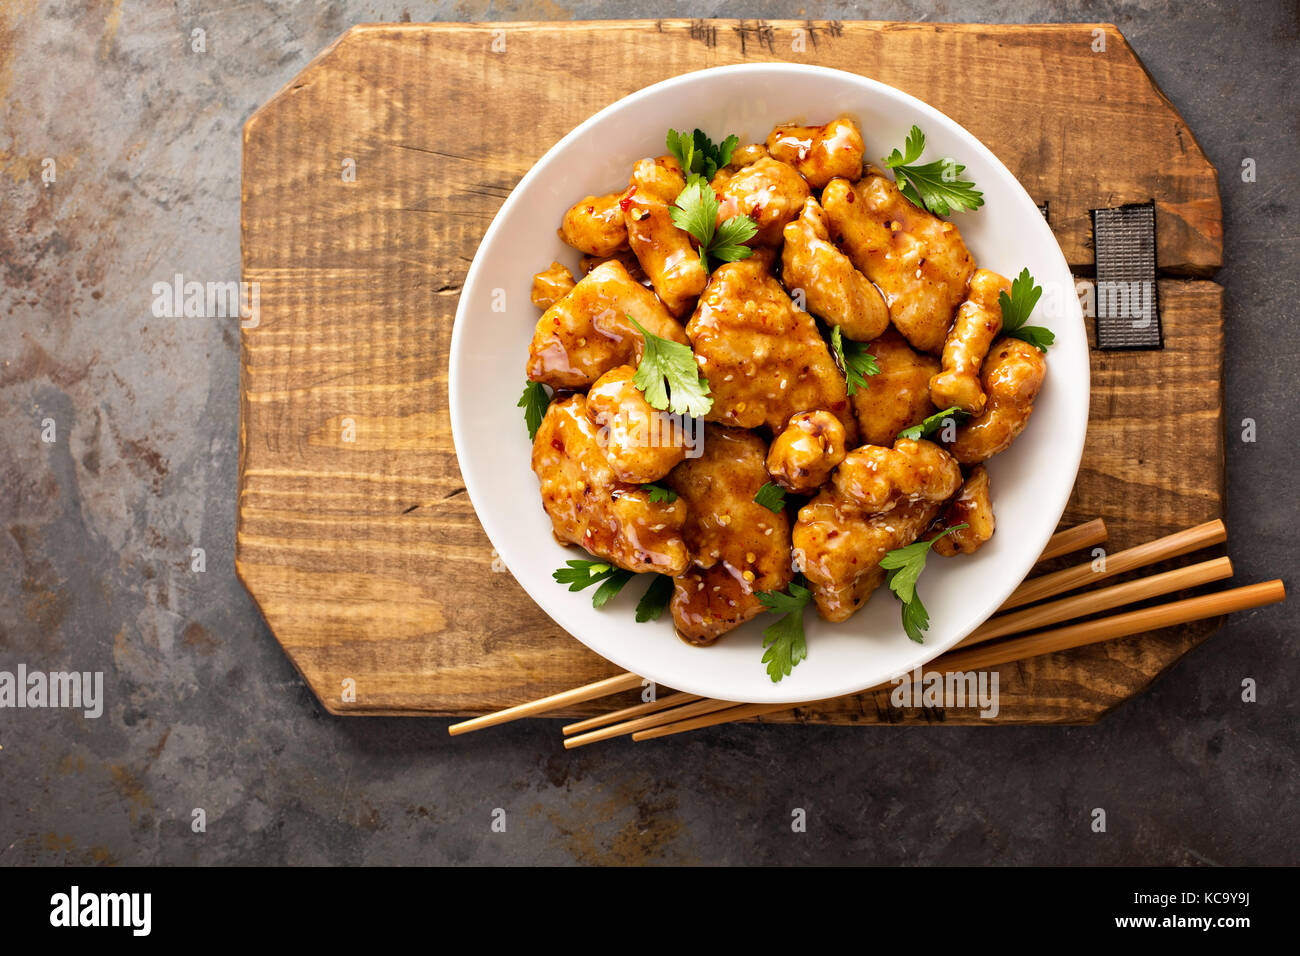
1124	240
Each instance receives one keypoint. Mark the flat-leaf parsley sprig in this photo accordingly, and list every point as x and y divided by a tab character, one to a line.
932	423
659	494
534	402
784	641
696	212
697	154
655	599
854	360
669	376
905	566
933	186
771	496
581	573
1016	309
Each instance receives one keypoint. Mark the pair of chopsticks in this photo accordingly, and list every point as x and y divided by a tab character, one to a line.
1013	634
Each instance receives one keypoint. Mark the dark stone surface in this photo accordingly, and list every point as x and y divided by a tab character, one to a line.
203	709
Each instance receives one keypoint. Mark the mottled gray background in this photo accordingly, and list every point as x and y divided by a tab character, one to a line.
205	711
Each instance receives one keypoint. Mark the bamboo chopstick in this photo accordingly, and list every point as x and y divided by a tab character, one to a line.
601	688
706	706
1081	536
1093	531
627	713
1033	645
1170	546
1072	539
1102	599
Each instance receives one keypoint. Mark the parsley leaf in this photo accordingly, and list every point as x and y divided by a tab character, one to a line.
916	620
682	146
610	586
784	640
534	402
905	566
1016	309
729	241
698	155
935	185
580	574
655	599
854	360
666	365
772	497
932	423
696	212
659	494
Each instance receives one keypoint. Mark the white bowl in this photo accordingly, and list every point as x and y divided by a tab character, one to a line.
1031	482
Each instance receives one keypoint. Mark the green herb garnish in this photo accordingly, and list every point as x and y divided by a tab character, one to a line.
1016	309
854	360
534	402
669	376
697	154
659	494
772	497
784	640
932	423
696	212
579	574
905	566
935	185
655	599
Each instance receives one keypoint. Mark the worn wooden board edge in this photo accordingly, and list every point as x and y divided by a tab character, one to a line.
287	89
1201	263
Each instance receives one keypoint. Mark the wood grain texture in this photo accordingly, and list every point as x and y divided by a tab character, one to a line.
361	553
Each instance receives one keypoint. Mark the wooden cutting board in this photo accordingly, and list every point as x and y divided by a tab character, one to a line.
354	533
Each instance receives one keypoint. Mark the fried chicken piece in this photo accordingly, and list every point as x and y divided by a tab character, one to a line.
587	333
595	225
738	547
763	358
973	507
552	285
590	507
917	259
835	290
802	456
820	153
900	395
640	443
625	257
979	320
769	192
838	544
1013	373
743	156
664	251
877	479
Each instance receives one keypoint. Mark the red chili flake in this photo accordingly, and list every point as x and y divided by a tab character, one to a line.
832	534
557	444
627	199
591	210
851	197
